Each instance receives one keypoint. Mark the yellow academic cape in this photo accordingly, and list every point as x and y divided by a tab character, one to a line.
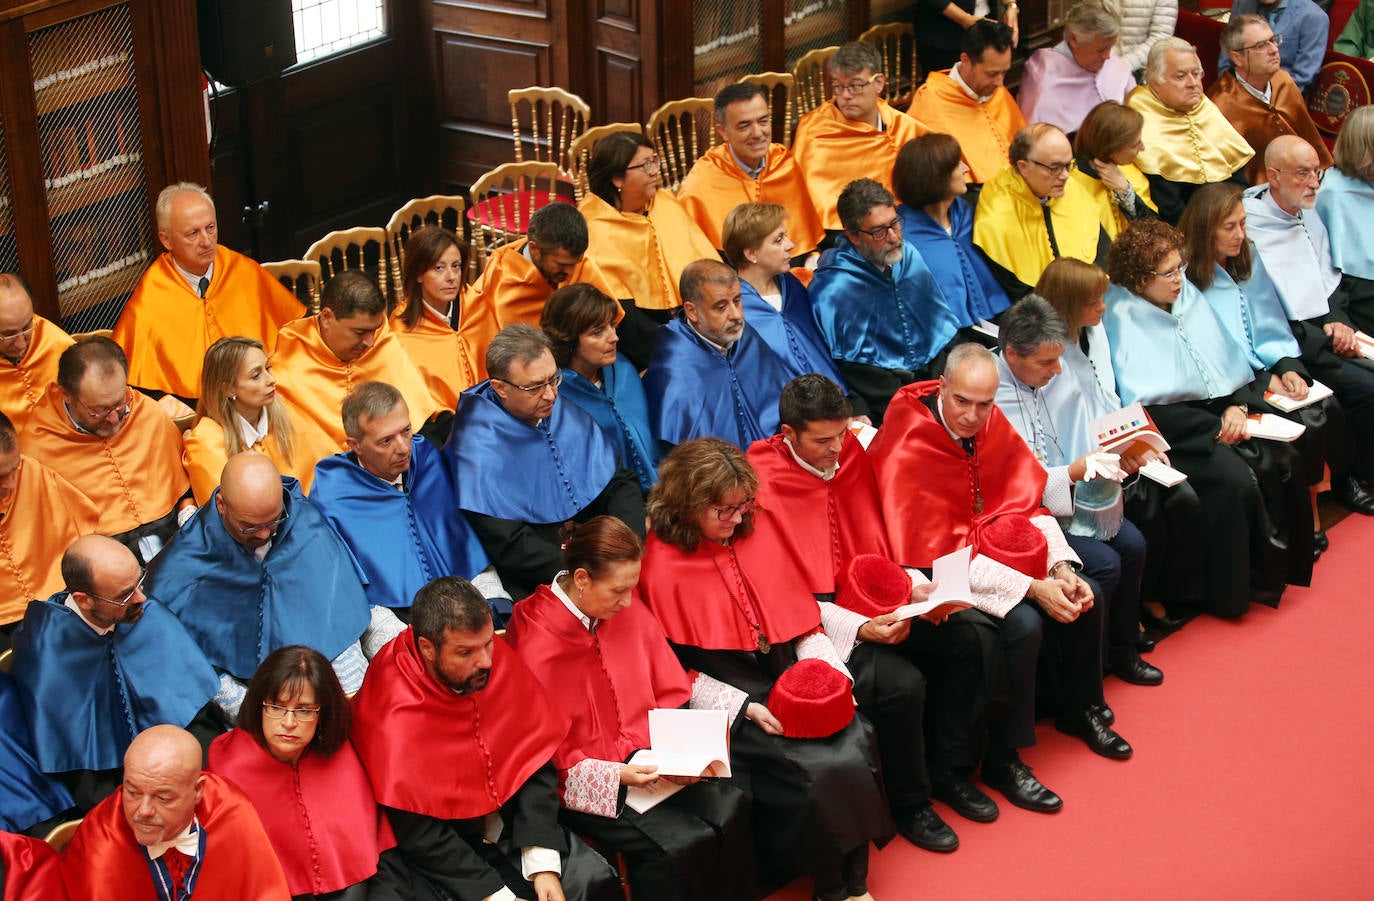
983	130
43	515
206	454
1010	225
22	385
1198	147
642	257
510	290
1110	214
832	152
165	328
1258	124
134	477
313	383
716	185
445	361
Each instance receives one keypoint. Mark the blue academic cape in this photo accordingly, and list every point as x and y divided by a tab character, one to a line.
27	795
88	695
791	333
894	319
1252	314
308	589
1345	205
620	408
509	469
695	391
969	288
401	539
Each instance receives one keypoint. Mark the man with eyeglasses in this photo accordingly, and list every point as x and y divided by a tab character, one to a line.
1257	96
114	444
854	134
1301	28
29	348
98	662
526	464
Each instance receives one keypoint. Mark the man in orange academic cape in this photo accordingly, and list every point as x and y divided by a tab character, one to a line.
29	348
193	295
172	832
855	135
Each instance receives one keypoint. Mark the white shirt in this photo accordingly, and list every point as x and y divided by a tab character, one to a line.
958	79
194	280
823	476
252	433
562	595
99	630
188	843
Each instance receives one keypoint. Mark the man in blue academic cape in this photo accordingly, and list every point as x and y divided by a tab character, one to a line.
526	464
878	307
711	374
101	661
30	800
392	500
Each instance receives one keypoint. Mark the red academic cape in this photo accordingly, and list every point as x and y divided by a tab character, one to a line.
319	815
606	681
31	870
104	862
822	523
701	598
431	751
927	480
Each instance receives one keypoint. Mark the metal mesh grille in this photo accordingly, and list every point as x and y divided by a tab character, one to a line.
328	26
809	24
726	38
88	124
9	255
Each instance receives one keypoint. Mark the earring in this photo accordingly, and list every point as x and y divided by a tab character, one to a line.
233	397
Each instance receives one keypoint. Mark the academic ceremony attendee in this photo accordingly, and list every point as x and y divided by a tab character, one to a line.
194	294
321	358
1302	28
100	661
239	410
1104	152
1257	96
391	498
1144	23
1171	354
29	348
568	469
854	134
1344	202
478	821
114	444
579	321
640	238
257	568
970	102
172	831
940	25
747	167
1188	142
1357	38
30	870
880	310
290	755
30	800
1062	83
711	374
735	610
605	662
431	285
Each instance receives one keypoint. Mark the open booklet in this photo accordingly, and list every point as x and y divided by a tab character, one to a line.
1273	427
682	742
1316	392
1131	432
951	594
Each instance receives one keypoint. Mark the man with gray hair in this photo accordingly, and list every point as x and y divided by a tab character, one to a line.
1061	83
525	464
1302	27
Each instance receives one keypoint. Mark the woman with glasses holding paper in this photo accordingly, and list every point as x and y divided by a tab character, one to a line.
606	663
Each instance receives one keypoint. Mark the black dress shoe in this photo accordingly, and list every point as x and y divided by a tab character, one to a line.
1104	713
1099	737
966	799
923	827
1018	785
1126	664
1144	643
1321	541
1352	494
1165	623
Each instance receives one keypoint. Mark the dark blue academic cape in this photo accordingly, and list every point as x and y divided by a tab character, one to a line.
88	695
791	332
307	591
27	795
695	391
539	474
621	410
401	539
970	289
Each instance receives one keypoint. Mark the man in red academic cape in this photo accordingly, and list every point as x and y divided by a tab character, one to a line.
172	832
457	737
951	472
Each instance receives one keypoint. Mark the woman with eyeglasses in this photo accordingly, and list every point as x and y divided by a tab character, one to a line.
290	754
1105	147
1172	354
432	287
736	610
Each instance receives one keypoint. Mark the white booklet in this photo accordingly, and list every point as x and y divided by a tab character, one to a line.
1316	392
1273	427
1365	345
863	431
1163	473
952	592
683	742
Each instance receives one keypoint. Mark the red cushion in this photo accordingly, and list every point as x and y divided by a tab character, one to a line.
502	212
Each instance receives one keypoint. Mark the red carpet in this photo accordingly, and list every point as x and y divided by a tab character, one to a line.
1251	777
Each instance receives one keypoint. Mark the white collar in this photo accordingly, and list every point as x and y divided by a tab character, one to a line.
940	415
958	79
1262	96
820	474
99	630
250	432
188	843
562	595
194	280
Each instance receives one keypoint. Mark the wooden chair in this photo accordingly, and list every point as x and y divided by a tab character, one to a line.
350	249
810	81
779	88
555	119
682	130
896	44
503	201
61	835
581	152
301	278
94	333
443	210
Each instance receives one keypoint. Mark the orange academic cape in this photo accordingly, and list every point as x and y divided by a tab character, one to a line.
43	515
165	328
984	130
643	256
134	477
104	862
716	185
1286	114
22	384
448	364
832	152
313	383
205	456
29	870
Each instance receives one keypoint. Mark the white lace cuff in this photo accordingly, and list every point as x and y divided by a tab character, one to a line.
230	695
350	667
817	645
383	627
488	584
1059	550
996	587
593	786
712	694
1058	491
842	627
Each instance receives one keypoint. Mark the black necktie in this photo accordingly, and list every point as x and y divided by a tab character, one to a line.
204	285
967	444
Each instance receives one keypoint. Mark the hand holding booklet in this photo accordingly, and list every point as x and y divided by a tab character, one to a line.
1315	392
682	743
951	594
1273	427
1129	432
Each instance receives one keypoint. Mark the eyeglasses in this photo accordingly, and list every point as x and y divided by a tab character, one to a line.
124	599
1174	274
650	166
1305	174
854	87
247	529
122	409
1056	169
22	333
302	714
1274	40
877	234
725	513
535	389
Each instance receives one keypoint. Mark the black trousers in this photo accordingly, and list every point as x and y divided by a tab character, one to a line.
891	692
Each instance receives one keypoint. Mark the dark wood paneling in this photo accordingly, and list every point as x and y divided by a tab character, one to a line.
620	88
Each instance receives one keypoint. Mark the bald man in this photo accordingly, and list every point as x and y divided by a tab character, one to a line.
173	831
29	348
